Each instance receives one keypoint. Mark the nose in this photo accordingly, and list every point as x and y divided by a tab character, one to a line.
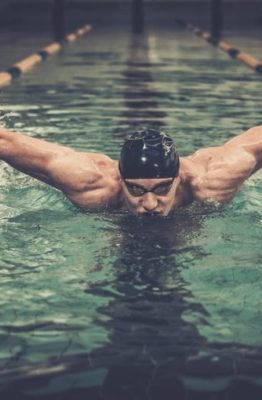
150	201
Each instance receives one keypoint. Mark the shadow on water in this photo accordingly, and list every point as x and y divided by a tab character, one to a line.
141	96
149	341
151	352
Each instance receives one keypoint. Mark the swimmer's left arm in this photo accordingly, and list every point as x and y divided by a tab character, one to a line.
251	143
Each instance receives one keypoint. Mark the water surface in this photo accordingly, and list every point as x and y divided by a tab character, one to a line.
111	304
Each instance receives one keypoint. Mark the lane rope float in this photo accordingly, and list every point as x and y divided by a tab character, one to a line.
32	60
233	52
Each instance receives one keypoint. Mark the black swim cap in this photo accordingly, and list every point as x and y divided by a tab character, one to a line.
148	154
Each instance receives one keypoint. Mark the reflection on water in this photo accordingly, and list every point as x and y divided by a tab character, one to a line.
111	305
140	92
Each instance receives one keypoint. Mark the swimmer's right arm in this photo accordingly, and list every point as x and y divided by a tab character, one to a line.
29	155
51	163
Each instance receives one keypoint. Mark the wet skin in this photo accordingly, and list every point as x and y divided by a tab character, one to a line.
93	181
157	199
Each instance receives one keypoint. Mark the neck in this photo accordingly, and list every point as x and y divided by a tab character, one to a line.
184	192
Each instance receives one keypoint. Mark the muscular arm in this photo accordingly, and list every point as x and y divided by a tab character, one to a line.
217	173
29	155
249	142
74	173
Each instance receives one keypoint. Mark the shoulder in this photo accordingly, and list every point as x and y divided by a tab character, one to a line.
218	172
99	159
107	195
222	159
241	153
78	171
96	184
215	174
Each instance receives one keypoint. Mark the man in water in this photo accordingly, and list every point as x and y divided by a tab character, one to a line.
149	178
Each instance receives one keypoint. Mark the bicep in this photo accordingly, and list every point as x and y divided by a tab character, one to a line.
30	155
75	173
249	142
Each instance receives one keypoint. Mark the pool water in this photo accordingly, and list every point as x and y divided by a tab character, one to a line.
108	305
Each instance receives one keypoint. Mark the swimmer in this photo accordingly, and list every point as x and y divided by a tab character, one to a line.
150	178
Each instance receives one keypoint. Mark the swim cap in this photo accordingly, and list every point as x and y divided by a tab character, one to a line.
147	154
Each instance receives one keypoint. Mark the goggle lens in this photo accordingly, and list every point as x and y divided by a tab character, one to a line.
160	190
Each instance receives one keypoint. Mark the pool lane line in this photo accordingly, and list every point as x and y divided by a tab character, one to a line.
233	52
32	60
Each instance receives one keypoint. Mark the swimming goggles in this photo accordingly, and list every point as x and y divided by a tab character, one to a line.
161	189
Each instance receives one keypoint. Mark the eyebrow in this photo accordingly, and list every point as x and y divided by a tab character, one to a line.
153	187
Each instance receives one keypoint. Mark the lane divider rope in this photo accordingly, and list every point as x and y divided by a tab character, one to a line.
233	52
29	62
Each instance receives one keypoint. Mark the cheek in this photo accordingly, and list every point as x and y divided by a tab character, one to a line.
133	202
165	201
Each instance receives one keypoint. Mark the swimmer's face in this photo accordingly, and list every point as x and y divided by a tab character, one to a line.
150	196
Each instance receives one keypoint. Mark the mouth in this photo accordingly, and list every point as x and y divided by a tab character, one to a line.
152	214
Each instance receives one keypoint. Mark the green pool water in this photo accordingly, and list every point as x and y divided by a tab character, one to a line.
107	302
